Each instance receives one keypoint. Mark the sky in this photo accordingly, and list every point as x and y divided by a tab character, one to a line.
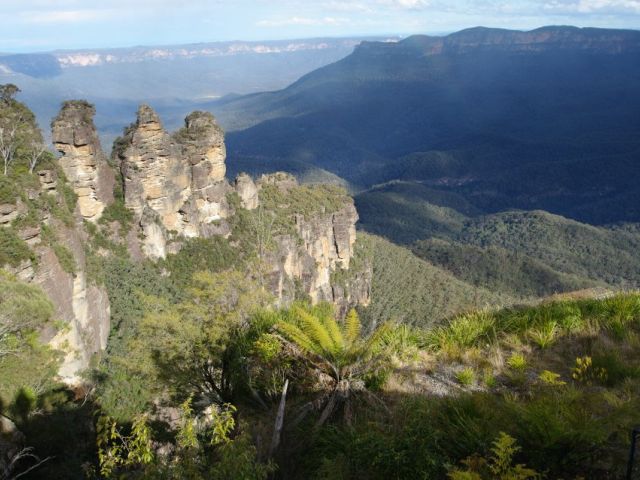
43	25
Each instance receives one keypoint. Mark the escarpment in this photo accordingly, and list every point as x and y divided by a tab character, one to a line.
83	162
49	251
158	194
175	186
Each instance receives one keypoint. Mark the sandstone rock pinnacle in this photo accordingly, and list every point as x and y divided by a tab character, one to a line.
85	165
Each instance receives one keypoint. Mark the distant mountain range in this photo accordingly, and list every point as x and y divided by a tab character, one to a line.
174	79
547	119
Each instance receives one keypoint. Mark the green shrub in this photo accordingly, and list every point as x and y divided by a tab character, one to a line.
466	376
118	212
465	331
13	250
586	372
550	378
545	335
500	465
517	362
65	257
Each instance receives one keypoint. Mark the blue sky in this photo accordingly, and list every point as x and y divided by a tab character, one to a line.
40	25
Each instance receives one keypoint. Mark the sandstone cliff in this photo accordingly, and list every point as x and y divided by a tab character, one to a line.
160	191
319	246
85	165
176	187
57	264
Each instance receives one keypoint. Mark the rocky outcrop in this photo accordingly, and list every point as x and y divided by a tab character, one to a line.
176	187
85	165
84	308
322	246
247	191
175	184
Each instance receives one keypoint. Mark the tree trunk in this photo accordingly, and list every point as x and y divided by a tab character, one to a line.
277	430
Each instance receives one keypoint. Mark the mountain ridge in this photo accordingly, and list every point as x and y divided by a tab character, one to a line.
507	130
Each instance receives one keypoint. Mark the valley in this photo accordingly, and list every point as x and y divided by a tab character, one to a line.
421	259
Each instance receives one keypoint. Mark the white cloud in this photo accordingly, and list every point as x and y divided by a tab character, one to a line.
65	16
407	4
594	6
303	21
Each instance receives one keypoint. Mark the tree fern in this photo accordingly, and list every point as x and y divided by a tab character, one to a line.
335	333
352	327
296	335
314	329
339	351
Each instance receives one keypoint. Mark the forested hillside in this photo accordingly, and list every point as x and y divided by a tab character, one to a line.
505	119
164	316
525	254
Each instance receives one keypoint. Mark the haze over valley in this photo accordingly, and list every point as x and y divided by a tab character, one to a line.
370	251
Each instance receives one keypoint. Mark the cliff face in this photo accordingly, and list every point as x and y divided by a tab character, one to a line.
481	39
83	307
175	184
174	188
59	267
85	165
321	245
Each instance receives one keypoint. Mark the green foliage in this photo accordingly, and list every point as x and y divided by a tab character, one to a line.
118	212
25	363
517	362
551	378
305	200
560	243
9	192
585	372
409	290
184	348
65	257
118	451
498	269
545	335
466	376
13	250
209	452
498	466
339	351
463	332
213	254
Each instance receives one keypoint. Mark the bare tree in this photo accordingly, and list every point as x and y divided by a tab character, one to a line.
36	151
10	469
9	142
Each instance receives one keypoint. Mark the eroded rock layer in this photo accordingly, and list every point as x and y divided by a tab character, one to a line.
83	162
175	185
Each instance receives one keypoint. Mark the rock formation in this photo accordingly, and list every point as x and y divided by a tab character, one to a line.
175	184
83	162
83	308
176	189
321	247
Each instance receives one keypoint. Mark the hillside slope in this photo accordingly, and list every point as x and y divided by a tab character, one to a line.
518	253
412	291
507	119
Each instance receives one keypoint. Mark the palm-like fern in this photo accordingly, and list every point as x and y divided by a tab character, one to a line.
339	350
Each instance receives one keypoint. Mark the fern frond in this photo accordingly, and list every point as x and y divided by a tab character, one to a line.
352	327
335	333
296	335
377	342
316	331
